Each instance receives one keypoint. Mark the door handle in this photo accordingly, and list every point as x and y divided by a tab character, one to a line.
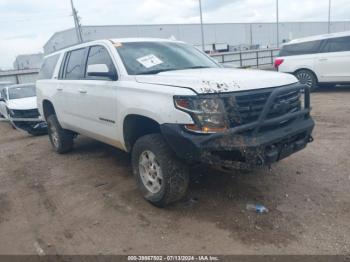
323	59
81	91
59	89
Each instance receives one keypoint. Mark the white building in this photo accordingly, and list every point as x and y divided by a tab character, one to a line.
31	61
233	34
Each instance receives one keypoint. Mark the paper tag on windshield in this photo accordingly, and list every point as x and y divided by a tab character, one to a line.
149	61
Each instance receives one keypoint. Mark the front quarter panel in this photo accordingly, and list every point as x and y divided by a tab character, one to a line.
152	101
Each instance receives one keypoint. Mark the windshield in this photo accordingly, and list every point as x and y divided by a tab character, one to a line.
21	92
155	57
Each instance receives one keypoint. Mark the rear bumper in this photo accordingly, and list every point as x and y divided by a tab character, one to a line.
246	146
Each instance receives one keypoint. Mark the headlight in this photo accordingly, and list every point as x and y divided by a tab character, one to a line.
207	113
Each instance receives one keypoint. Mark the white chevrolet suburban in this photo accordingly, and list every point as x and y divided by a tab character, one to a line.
170	105
317	60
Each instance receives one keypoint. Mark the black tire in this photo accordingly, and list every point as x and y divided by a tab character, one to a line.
308	78
61	139
175	174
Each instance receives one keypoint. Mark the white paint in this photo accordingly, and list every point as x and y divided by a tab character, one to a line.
214	80
329	67
151	96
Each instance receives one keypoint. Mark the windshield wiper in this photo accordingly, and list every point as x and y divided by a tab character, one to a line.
157	71
196	67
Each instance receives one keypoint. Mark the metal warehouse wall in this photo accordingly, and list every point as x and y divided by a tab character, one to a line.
28	61
263	34
19	76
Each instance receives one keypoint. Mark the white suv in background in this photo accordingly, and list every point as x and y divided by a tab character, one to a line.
171	105
317	60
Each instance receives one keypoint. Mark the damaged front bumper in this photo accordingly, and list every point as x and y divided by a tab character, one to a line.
28	120
247	146
33	126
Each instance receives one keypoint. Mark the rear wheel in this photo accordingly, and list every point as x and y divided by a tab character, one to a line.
308	78
161	177
61	139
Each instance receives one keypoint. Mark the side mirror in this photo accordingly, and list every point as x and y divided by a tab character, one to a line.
2	99
100	70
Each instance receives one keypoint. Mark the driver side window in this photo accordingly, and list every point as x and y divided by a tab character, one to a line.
99	55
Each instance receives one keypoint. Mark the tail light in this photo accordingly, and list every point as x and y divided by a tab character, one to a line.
278	62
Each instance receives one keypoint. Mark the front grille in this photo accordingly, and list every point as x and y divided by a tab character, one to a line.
32	113
247	107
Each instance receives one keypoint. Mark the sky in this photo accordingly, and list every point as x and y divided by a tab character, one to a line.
26	25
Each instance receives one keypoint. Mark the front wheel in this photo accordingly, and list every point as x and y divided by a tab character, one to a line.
161	177
308	78
61	139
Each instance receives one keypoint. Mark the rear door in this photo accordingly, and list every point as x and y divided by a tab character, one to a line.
97	108
334	62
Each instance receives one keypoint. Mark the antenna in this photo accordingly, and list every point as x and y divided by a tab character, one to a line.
77	23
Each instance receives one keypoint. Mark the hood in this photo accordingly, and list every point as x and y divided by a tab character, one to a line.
219	80
22	104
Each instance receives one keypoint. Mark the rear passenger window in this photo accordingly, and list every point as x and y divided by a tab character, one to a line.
340	44
99	55
48	67
74	69
301	49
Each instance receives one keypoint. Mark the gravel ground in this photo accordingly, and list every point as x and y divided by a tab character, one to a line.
86	202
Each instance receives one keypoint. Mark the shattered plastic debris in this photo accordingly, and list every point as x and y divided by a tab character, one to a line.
257	208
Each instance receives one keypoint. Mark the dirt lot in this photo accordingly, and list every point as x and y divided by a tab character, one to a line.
86	202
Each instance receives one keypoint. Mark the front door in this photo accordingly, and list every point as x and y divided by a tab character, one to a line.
96	96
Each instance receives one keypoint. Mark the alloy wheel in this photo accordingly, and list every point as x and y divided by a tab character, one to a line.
151	172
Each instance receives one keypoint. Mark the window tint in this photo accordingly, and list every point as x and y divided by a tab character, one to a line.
48	67
74	69
301	49
340	44
100	55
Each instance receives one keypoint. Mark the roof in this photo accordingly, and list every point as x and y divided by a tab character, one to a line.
114	41
141	39
318	37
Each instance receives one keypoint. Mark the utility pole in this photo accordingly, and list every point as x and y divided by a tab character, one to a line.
277	24
202	27
76	23
329	16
